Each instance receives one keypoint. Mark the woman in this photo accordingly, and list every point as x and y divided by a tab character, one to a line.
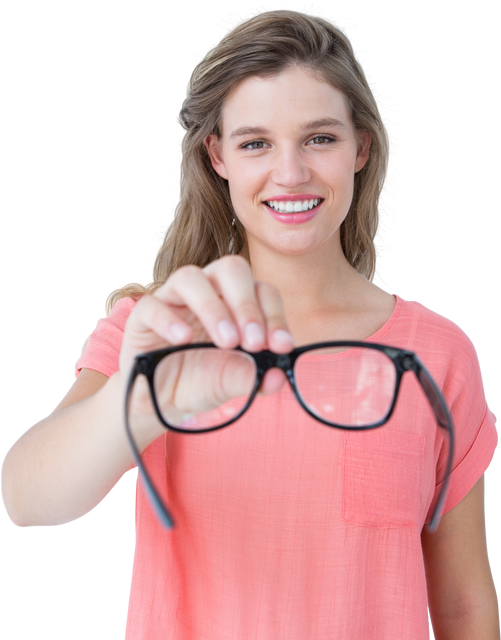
285	528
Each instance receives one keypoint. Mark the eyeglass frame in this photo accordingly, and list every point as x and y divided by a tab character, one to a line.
403	360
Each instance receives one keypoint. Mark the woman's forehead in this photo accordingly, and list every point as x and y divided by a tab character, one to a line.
295	97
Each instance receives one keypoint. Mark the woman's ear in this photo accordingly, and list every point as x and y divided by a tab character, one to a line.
363	150
214	150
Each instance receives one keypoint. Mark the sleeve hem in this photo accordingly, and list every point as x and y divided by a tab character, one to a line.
464	477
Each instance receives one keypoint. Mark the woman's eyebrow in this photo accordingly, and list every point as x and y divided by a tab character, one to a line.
306	126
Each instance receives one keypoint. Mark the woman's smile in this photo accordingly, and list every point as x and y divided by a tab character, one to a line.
293	209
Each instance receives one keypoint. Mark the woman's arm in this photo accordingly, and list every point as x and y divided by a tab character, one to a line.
461	594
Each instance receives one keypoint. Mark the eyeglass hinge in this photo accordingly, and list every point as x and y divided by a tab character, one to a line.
407	362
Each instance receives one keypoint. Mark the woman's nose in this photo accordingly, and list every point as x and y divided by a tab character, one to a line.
290	169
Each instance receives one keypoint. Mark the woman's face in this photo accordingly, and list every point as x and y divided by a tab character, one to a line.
289	152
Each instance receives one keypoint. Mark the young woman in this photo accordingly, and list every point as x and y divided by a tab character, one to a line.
285	528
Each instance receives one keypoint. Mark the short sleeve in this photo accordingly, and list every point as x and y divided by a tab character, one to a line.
474	425
100	348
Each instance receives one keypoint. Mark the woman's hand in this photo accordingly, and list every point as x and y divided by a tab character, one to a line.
220	303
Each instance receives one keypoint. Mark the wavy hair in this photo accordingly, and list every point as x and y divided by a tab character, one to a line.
265	45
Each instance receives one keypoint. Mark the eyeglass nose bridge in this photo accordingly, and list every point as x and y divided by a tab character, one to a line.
267	360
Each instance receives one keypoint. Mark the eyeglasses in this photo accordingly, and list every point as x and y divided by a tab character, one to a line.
197	388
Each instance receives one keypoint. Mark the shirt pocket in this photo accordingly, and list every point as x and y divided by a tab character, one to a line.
382	478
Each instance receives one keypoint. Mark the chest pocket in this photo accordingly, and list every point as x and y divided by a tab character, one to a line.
382	478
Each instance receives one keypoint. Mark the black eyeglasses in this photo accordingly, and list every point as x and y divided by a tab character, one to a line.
197	388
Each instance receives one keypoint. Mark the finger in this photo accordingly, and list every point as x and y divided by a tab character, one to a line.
231	277
278	335
151	326
151	315
189	286
273	381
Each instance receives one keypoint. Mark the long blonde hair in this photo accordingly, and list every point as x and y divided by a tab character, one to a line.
263	46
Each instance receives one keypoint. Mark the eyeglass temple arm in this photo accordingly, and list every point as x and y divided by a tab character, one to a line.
444	419
162	513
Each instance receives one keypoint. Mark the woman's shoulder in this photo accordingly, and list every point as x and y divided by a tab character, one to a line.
434	328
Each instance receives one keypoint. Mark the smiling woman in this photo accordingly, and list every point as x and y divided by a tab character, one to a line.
280	117
290	146
285	527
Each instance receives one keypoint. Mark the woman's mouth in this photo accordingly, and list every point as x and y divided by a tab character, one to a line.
293	211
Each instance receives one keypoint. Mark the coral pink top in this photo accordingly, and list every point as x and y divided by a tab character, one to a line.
287	528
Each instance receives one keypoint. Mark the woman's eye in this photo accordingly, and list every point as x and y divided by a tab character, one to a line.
248	145
322	139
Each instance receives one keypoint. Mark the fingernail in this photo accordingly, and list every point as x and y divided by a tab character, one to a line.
254	334
227	331
283	336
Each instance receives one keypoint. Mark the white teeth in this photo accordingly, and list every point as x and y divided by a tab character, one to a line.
293	206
